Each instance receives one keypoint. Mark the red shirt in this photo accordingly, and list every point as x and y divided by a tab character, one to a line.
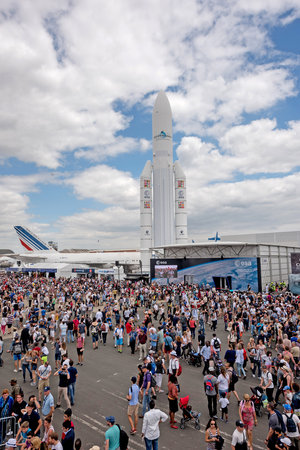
128	327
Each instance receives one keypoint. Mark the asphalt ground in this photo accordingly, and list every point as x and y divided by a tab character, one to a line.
101	389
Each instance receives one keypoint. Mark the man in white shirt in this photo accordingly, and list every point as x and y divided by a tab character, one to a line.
292	429
150	430
239	435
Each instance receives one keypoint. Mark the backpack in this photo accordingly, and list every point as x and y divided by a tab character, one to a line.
124	439
290	424
103	327
234	378
280	420
296	401
216	343
153	381
208	385
17	348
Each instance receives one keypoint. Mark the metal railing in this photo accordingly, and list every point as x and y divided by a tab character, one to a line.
8	429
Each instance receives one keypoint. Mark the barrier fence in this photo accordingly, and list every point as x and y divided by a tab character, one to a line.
8	429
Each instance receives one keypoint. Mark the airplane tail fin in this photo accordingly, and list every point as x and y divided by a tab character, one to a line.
30	241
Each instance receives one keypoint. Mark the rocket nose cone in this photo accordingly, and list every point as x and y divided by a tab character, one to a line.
162	104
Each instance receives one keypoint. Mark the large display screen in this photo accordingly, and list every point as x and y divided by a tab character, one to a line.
235	273
165	271
295	262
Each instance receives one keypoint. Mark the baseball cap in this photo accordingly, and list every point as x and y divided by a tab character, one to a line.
46	388
239	423
286	388
173	353
110	419
287	407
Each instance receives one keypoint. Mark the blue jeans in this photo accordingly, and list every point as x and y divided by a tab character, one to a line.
70	336
146	401
151	444
240	369
71	392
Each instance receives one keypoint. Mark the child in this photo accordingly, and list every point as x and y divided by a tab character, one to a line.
224	402
22	433
288	396
27	443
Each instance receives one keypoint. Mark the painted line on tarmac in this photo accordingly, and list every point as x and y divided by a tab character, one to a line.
101	425
102	433
201	431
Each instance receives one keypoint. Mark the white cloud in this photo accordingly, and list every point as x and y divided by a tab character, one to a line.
14	206
112	228
247	206
260	147
107	185
64	66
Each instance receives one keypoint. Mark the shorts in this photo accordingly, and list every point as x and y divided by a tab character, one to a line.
33	366
225	410
17	357
9	325
173	405
57	356
120	341
79	351
133	410
95	338
231	387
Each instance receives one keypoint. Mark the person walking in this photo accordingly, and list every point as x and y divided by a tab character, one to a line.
112	435
248	417
150	429
64	378
211	434
43	373
80	349
133	405
72	381
266	383
173	400
239	437
206	354
146	387
211	391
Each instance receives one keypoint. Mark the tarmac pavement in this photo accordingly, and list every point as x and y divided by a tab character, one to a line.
101	389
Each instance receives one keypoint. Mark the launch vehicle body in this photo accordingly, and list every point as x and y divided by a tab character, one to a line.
163	214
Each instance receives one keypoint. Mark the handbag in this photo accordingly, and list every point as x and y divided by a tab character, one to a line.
219	443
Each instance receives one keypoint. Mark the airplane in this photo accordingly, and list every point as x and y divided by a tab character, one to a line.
39	251
215	238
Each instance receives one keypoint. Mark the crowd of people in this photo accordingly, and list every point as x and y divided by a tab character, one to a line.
166	326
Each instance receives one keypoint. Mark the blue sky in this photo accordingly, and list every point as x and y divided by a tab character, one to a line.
78	84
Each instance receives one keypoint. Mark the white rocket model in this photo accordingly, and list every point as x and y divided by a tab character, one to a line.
163	213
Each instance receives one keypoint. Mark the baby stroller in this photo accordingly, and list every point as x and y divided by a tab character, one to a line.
194	358
187	414
257	399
